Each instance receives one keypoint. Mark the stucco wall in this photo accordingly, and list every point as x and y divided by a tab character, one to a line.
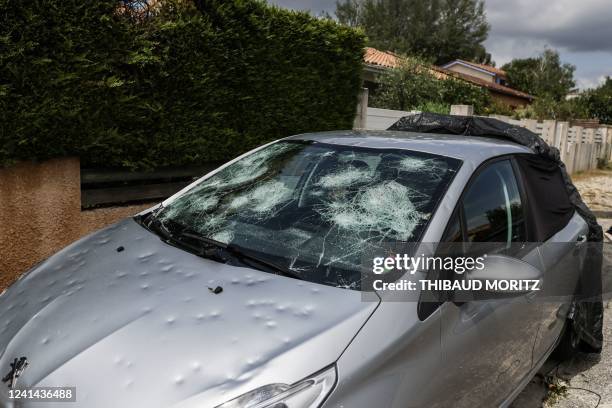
40	213
39	210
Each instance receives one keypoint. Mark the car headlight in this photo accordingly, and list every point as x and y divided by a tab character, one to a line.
308	393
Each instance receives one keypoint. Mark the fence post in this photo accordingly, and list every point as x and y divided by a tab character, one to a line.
462	110
590	143
561	139
549	128
579	159
361	118
570	158
606	143
609	143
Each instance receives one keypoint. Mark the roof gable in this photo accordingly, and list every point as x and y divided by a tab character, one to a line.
487	69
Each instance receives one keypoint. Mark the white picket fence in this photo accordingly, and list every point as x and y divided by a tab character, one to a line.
580	148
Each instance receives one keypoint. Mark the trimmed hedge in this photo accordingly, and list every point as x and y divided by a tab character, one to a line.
178	87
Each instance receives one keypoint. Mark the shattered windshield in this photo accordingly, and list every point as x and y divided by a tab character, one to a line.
314	208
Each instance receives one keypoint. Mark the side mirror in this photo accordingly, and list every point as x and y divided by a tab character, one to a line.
506	275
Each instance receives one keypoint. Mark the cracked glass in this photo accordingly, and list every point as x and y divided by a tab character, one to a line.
317	208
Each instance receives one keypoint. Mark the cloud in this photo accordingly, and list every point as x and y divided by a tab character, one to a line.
580	30
315	6
577	26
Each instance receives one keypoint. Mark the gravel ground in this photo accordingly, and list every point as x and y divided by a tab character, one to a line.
596	189
583	382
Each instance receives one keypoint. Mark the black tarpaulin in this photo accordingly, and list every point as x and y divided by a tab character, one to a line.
549	204
588	314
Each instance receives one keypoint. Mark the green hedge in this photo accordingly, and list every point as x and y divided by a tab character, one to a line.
178	87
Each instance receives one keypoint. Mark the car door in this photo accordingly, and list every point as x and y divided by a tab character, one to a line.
487	344
561	235
563	257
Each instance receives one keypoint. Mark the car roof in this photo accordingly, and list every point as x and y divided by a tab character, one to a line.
475	149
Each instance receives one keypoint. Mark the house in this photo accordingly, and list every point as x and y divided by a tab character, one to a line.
573	94
491	78
481	71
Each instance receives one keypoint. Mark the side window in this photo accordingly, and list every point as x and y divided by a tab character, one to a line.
550	208
492	213
493	208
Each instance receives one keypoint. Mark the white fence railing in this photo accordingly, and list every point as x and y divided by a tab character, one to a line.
580	148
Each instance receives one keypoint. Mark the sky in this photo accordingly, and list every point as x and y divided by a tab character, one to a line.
581	30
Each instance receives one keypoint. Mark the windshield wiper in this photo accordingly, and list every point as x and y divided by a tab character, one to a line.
154	224
211	248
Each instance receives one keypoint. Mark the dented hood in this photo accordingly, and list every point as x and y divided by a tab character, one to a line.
139	327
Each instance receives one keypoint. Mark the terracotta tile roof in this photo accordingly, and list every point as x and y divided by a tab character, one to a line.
488	68
373	56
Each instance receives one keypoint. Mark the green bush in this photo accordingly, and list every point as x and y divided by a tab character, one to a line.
598	102
413	86
176	87
546	108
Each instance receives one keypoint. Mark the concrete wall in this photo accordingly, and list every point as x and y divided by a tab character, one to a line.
40	213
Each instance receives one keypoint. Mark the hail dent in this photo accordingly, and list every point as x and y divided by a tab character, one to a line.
344	178
225	236
264	198
384	207
249	168
434	169
412	164
204	203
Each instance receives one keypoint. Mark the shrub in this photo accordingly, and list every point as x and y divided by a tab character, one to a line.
547	108
598	102
174	87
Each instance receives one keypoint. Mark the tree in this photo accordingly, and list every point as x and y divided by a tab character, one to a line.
438	30
414	86
543	76
598	102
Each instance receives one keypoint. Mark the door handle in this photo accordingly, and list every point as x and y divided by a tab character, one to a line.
581	238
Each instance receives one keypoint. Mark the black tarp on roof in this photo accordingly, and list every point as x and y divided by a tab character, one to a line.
588	314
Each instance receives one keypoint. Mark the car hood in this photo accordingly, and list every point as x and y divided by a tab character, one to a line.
138	326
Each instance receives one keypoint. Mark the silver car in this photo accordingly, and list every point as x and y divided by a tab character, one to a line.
246	288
